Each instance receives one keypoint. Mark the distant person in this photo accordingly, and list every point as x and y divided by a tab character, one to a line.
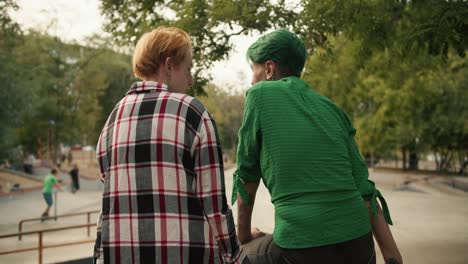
28	163
301	145
462	170
6	165
48	185
75	178
161	162
70	157
60	160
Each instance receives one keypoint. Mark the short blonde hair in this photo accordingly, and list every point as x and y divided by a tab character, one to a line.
154	47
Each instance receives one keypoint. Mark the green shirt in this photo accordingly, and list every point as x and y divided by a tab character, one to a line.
49	182
302	146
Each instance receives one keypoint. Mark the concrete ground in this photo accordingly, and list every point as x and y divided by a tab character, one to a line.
431	219
26	205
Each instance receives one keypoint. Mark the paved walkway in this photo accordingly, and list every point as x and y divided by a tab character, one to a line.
431	219
30	205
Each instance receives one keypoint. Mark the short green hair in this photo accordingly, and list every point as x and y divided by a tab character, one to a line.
282	47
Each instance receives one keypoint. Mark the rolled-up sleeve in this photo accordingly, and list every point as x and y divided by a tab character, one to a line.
211	191
361	178
248	149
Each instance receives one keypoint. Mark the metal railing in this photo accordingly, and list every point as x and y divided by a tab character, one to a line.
41	246
87	213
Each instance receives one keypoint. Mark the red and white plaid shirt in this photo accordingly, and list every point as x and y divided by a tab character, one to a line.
164	197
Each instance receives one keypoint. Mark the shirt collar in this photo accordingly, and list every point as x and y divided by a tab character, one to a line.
147	86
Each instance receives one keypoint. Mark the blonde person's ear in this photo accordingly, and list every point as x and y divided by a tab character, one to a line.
168	69
168	64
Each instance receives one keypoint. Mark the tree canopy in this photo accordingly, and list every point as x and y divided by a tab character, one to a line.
211	24
415	105
398	24
54	92
399	68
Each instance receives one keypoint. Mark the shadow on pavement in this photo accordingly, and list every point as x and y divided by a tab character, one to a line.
79	261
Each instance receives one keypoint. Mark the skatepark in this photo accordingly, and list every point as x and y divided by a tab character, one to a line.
430	217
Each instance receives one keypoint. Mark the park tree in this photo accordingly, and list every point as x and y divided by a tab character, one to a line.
397	68
446	115
399	96
211	24
400	25
414	104
226	106
378	60
11	98
48	68
61	92
118	76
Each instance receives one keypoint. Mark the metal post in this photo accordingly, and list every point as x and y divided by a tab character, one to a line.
49	156
51	143
20	228
55	205
54	142
88	222
40	247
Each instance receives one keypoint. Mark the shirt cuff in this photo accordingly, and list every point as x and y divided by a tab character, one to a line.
372	198
238	187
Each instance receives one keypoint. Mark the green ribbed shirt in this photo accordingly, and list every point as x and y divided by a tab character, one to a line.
302	146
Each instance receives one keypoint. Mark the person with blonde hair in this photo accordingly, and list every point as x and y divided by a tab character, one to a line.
161	163
301	145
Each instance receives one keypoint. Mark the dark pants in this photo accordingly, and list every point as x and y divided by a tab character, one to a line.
264	250
28	168
75	182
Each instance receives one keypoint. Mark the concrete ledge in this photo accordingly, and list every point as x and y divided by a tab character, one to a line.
20	191
446	185
22	174
460	183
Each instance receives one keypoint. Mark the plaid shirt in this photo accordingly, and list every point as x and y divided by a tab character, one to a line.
164	197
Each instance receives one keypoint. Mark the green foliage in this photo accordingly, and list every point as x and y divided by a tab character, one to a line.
58	92
416	103
404	26
9	29
437	25
397	67
10	98
446	115
227	109
385	63
211	24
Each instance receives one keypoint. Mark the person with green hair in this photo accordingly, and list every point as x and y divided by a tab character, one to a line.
302	146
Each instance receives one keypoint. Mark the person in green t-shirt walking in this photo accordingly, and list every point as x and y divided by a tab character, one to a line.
301	145
48	185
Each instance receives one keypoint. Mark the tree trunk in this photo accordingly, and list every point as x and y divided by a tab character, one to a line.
396	161
437	160
413	158
445	161
403	150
